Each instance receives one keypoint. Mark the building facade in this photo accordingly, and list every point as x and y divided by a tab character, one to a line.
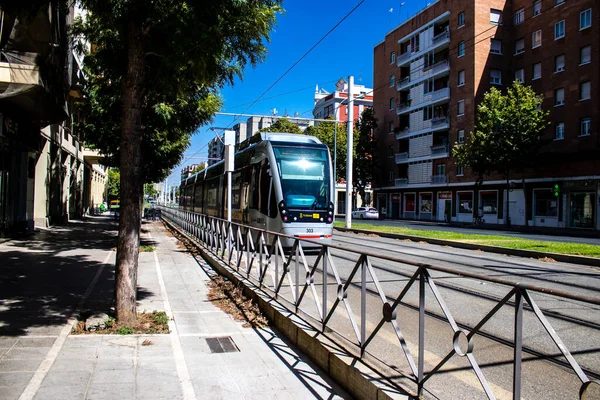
41	160
432	71
335	105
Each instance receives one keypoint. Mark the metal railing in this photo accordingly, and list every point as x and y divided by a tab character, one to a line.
437	179
321	290
400	157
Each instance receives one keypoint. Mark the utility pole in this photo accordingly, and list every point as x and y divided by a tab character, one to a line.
349	152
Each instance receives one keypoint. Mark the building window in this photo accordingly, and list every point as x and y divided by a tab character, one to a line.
519	46
461	78
461	49
537	71
460	171
465	203
391	176
495	16
495	77
391	127
559	30
559	97
585	89
536	39
558	2
546	204
392	57
559	131
585	55
519	16
520	75
496	46
461	107
584	128
559	63
392	81
461	19
392	103
585	19
391	151
537	7
461	135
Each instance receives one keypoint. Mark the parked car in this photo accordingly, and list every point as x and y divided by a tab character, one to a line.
365	212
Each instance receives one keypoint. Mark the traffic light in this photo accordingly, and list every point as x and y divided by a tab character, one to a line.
556	190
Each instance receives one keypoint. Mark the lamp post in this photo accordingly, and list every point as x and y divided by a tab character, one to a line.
349	152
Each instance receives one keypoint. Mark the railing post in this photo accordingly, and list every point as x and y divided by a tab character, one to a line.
518	351
421	366
324	305
297	273
363	306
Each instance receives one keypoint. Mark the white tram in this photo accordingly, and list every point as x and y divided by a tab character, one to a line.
282	183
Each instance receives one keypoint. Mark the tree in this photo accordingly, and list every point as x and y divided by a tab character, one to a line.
113	183
508	134
150	191
324	131
364	160
283	125
153	79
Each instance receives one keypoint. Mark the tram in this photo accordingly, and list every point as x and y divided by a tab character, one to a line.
281	183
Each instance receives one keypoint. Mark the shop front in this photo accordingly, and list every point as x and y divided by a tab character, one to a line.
582	206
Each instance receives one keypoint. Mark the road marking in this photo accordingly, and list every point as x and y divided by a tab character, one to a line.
182	371
40	374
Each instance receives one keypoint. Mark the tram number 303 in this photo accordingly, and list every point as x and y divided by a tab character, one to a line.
309	230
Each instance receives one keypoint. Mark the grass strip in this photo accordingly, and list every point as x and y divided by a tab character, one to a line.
578	249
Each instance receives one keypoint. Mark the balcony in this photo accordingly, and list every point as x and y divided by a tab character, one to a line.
441	38
439	149
401	182
402	132
441	94
403	107
401	83
403	58
438	179
21	74
401	157
440	123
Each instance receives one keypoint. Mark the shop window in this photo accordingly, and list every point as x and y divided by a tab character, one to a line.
489	203
409	202
582	209
426	203
465	203
546	204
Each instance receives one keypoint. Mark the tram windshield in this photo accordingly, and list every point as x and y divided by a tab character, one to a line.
304	174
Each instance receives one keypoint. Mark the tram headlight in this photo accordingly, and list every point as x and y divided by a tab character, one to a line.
329	219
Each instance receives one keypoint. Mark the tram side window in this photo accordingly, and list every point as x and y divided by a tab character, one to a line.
265	185
197	201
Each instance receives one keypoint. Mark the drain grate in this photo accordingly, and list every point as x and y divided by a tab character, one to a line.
223	344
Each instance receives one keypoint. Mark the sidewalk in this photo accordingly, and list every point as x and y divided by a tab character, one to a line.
47	278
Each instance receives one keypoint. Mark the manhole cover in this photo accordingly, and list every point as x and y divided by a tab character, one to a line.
221	345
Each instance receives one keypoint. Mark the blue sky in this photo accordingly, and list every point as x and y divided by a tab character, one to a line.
348	50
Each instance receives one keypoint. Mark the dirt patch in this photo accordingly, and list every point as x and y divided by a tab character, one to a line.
231	300
547	259
155	322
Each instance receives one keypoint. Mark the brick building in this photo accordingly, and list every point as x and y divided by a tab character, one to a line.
431	72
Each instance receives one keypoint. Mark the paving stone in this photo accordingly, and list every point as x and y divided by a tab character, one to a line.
35	342
8	342
26	353
70	364
15	378
11	392
112	376
68	378
109	391
78	353
19	365
60	392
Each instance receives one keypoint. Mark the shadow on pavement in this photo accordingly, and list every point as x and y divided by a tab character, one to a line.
44	278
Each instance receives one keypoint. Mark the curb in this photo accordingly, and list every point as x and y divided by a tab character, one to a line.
572	259
349	371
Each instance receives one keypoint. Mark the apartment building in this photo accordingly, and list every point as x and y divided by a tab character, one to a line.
334	104
432	71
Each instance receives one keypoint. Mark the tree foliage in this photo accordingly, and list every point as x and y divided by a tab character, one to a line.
325	132
152	79
113	183
365	160
283	125
508	132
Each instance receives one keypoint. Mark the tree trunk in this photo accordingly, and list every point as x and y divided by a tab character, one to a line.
131	180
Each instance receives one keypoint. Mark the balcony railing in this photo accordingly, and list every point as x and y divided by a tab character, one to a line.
439	149
437	179
403	106
402	132
402	82
401	157
440	37
401	182
440	94
401	59
439	121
